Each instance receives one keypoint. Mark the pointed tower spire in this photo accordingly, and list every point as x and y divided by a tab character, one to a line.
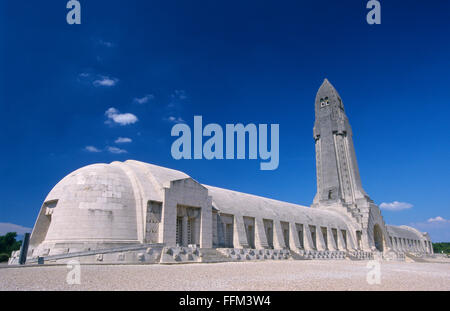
338	180
327	94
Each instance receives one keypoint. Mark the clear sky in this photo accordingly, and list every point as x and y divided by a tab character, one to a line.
159	62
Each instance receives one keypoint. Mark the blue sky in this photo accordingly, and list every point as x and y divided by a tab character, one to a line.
157	62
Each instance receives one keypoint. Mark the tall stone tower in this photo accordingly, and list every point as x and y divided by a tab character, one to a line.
338	181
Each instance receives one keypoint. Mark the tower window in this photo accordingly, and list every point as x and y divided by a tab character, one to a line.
324	102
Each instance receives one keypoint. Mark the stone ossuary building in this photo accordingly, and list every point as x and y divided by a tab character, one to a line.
127	212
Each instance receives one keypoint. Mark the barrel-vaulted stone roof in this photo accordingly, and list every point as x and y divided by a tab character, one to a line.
154	178
101	201
96	202
238	203
106	202
405	232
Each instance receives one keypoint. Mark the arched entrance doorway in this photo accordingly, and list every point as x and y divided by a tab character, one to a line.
378	237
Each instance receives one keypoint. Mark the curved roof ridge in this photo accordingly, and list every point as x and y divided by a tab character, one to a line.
160	174
156	166
255	196
411	229
405	229
147	172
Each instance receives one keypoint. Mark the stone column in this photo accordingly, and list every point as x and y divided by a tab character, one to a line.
365	245
206	224
421	246
341	242
351	239
321	241
184	233
309	245
294	242
278	238
168	224
239	236
334	244
260	234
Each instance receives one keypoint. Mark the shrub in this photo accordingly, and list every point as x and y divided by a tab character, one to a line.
4	257
8	243
441	247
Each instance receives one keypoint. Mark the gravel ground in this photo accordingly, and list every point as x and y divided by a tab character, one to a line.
269	275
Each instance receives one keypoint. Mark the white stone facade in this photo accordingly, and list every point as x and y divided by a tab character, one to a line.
138	212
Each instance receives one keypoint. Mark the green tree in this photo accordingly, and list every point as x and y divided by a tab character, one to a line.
441	247
8	244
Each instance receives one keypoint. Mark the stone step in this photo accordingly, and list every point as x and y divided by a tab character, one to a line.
212	255
415	258
296	256
102	251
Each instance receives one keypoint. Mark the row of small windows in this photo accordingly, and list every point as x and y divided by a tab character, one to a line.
301	236
226	232
408	243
